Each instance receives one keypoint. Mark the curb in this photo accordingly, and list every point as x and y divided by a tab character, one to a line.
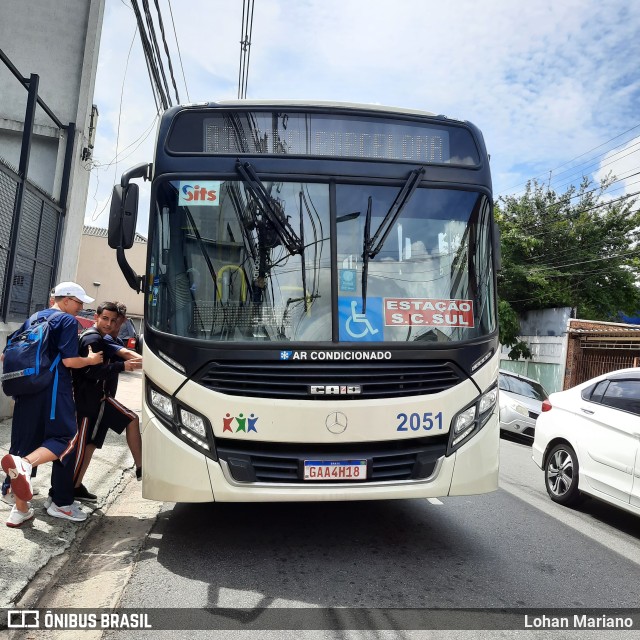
38	586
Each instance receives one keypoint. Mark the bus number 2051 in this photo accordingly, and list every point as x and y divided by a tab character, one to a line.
419	421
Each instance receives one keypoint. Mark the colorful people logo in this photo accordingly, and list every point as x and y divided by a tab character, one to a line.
242	423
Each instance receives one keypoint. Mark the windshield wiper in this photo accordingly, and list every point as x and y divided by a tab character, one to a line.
403	197
365	254
274	217
373	246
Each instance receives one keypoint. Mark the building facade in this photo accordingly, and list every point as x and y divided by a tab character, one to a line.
100	275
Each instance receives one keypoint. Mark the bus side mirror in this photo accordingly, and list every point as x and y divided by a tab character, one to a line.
123	216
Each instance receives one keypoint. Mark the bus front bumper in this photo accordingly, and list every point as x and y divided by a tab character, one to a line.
175	472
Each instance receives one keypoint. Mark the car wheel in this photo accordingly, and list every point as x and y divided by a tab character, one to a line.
561	475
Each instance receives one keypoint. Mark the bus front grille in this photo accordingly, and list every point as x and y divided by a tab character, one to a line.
297	380
280	463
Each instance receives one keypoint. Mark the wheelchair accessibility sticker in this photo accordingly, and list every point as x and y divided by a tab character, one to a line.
356	326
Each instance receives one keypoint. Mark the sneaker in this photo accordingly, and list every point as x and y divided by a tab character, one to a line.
82	493
138	473
19	472
70	512
49	501
17	518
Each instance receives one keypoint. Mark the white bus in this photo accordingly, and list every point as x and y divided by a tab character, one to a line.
320	304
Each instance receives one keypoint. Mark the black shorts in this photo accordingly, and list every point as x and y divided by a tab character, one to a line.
112	415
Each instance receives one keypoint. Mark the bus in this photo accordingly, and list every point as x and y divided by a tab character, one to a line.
320	304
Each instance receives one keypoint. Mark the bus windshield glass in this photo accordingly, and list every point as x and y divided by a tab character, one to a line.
238	261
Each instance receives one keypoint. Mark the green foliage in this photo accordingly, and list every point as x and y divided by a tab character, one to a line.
510	330
576	249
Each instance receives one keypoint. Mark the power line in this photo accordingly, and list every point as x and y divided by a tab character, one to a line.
124	77
543	176
156	49
611	160
154	75
563	217
175	35
166	50
245	47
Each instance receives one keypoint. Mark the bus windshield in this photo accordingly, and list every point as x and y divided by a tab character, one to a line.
231	263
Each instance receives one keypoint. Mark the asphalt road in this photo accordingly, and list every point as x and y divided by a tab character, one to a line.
511	548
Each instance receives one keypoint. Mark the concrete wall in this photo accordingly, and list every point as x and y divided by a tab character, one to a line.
97	263
545	331
59	41
546	322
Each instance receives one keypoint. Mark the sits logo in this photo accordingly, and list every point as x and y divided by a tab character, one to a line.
242	423
202	192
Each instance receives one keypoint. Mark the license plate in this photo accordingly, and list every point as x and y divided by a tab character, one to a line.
335	470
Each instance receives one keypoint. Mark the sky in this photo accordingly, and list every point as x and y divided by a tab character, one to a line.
554	86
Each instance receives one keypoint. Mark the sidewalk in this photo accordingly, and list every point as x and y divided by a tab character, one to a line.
29	548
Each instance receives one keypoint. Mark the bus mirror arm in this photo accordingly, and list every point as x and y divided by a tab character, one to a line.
142	170
133	279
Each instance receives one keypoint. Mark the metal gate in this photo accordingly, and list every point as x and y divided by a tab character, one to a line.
35	249
596	362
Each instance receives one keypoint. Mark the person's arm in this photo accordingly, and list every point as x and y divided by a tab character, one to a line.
103	371
127	354
132	364
79	362
116	348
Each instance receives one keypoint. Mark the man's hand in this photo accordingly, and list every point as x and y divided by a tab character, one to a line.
94	358
132	365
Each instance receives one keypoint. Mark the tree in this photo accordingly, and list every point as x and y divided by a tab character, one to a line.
576	249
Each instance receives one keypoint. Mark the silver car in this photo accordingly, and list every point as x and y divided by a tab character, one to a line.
520	401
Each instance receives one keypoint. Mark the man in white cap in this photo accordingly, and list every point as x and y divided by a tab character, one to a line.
44	423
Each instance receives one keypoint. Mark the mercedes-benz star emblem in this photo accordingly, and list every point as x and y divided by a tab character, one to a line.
336	422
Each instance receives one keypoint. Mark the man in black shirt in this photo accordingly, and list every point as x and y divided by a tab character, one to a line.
94	389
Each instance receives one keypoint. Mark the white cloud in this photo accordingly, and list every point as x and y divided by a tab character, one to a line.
545	81
623	165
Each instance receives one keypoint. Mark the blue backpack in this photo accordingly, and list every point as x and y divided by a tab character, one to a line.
27	366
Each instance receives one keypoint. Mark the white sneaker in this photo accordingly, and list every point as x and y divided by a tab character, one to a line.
19	472
70	512
49	501
17	518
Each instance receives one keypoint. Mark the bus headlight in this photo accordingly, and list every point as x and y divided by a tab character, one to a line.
488	400
162	403
183	421
472	418
465	420
193	422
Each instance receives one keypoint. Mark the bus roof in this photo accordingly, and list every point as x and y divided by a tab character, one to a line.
318	103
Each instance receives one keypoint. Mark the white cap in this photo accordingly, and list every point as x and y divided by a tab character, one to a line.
71	290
